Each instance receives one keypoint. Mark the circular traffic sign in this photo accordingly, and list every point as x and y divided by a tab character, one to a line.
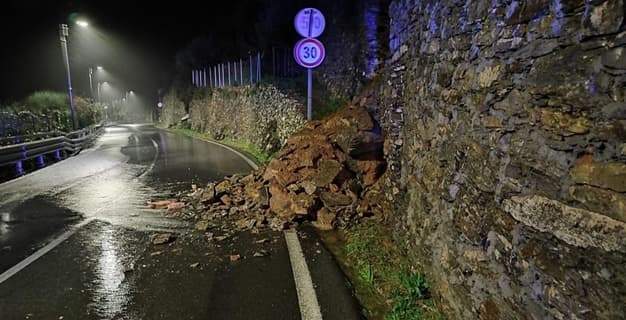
310	22
309	53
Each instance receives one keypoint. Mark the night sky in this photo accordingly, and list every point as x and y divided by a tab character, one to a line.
137	43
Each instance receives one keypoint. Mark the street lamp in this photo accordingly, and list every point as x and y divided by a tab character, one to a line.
63	34
91	76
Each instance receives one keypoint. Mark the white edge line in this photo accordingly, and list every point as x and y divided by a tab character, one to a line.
39	253
307	299
154	160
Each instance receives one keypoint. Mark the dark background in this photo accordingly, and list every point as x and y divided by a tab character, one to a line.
140	44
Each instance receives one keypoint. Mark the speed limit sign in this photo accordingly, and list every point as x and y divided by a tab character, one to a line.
309	53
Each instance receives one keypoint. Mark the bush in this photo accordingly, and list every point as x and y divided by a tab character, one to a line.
42	101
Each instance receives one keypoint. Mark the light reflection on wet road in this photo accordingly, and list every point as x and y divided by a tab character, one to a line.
110	183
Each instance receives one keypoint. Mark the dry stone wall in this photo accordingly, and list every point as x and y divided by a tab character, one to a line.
505	126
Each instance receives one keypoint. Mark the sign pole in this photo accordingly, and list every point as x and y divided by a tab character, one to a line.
309	97
309	94
309	52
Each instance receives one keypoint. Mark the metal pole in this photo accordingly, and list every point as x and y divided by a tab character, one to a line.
229	73
91	83
241	70
204	77
309	96
258	67
64	33
250	70
210	79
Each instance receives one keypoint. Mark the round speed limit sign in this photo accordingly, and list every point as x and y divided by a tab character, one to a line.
309	53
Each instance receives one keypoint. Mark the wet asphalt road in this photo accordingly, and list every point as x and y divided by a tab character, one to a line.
109	269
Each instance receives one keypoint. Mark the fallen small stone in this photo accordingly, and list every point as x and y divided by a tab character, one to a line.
261	253
156	253
221	238
194	265
202	225
234	257
264	240
159	204
162	238
175	206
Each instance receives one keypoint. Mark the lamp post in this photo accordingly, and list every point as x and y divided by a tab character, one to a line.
91	84
63	34
95	93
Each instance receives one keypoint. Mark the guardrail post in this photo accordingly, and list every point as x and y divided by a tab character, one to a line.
40	162
19	168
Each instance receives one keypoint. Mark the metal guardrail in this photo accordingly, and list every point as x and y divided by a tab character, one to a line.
71	143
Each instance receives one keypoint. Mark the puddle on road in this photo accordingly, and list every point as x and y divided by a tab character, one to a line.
24	229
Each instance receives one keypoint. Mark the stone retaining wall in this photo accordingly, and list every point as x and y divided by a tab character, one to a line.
505	125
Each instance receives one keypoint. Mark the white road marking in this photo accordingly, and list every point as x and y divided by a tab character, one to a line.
309	306
39	253
154	160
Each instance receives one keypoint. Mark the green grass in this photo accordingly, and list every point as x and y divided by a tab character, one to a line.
259	156
382	277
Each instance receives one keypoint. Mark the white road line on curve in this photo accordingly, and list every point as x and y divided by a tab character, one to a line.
39	253
307	299
154	160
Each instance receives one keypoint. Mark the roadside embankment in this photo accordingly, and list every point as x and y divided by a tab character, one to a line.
257	119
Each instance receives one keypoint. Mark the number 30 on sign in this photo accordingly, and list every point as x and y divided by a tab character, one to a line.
309	53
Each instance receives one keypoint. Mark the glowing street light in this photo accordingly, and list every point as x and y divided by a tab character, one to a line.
99	68
82	23
63	34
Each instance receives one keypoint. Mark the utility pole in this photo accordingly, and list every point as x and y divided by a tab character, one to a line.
91	84
64	33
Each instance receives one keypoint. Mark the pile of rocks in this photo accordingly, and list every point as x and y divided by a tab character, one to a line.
327	173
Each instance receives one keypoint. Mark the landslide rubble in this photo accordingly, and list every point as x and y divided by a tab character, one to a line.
327	173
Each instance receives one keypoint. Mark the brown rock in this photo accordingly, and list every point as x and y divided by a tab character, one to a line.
208	195
280	201
562	123
159	204
326	172
603	201
162	238
175	207
223	187
254	191
308	186
335	199
302	203
202	225
225	199
234	257
325	219
608	175
370	170
492	122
